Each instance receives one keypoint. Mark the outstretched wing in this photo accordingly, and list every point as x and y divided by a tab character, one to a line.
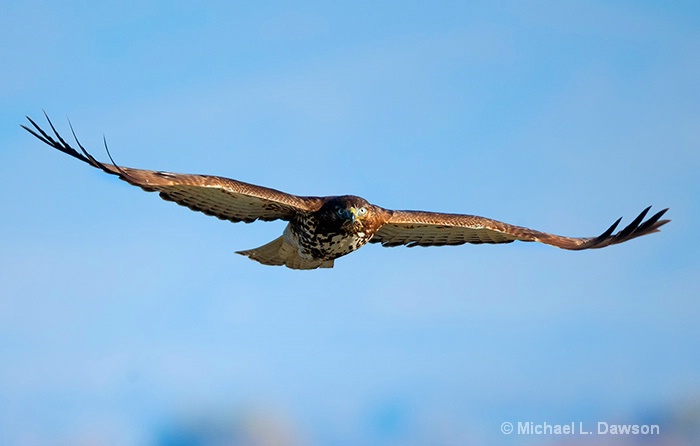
217	196
417	228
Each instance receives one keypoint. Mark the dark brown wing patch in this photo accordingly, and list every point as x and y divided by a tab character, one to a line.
223	198
417	228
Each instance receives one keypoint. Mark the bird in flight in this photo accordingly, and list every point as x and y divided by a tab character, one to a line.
321	229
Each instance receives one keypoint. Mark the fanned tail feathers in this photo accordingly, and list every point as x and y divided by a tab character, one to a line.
280	252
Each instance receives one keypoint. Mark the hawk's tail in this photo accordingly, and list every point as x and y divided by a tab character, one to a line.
280	252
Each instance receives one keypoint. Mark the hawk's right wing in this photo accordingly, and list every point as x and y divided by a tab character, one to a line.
221	197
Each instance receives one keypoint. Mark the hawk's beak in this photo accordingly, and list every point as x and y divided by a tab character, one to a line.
349	215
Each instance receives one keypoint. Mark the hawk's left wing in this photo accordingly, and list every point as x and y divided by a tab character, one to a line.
223	198
417	228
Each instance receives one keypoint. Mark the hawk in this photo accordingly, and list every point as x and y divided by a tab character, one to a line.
321	229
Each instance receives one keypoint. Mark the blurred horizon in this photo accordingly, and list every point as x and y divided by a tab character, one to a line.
125	319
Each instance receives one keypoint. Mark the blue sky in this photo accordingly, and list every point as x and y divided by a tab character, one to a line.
128	320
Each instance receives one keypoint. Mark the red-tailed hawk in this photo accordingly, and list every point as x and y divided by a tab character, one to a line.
321	229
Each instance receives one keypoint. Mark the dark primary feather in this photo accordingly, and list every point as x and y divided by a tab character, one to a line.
221	197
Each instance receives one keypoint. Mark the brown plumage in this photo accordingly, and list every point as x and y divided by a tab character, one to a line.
322	229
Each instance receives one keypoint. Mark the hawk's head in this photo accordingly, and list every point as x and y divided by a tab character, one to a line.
348	212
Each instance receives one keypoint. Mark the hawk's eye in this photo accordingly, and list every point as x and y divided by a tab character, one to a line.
340	211
362	211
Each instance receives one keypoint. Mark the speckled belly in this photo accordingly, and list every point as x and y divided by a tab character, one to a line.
323	246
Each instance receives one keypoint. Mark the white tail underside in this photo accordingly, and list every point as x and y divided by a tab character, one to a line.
281	252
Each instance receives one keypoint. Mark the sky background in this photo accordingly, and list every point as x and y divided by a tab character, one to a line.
125	319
